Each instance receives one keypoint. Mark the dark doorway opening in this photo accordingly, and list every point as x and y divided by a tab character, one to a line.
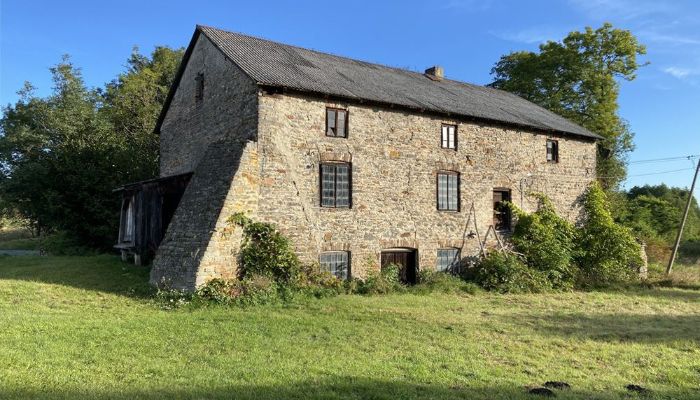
406	260
501	212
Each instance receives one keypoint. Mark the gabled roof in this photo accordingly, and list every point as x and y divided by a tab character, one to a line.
293	68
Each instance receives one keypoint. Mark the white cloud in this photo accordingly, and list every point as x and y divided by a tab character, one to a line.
678	72
669	39
530	35
624	9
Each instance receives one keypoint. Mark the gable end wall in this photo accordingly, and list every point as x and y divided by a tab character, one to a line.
216	138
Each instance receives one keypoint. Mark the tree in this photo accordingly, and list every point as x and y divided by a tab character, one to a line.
61	156
577	78
606	252
134	100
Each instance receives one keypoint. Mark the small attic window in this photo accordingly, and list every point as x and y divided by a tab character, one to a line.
199	87
336	122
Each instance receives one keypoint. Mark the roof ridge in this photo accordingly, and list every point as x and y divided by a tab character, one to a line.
486	87
325	53
274	63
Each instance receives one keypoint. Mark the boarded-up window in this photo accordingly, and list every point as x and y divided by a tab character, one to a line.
337	263
552	151
449	136
199	87
447	260
501	211
448	191
335	185
336	122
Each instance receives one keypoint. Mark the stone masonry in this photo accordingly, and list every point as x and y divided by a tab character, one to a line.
258	152
395	158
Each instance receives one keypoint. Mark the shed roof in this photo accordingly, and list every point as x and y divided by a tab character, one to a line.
275	64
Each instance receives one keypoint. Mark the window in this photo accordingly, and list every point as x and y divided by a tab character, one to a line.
128	222
335	185
449	136
448	191
199	86
552	151
501	211
337	263
447	259
336	122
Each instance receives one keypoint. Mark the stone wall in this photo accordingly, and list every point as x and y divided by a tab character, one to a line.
395	156
227	111
260	153
216	138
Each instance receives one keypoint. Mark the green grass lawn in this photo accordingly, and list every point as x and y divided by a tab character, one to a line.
17	238
80	327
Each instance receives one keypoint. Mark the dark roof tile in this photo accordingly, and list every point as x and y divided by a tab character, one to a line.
280	65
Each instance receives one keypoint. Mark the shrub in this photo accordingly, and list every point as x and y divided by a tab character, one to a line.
312	281
607	253
383	282
546	242
254	289
265	251
442	282
64	244
505	272
690	251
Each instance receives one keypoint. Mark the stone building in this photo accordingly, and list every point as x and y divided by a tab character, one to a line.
358	164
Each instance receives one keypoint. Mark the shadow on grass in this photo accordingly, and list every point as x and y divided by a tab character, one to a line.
615	328
338	388
103	273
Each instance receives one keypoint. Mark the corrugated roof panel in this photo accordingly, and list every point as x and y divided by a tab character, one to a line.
277	64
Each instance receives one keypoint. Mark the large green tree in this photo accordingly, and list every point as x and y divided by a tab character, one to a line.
134	100
578	78
61	155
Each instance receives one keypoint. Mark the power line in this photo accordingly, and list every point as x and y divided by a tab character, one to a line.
661	172
667	159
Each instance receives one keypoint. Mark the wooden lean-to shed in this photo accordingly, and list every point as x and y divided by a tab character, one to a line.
147	208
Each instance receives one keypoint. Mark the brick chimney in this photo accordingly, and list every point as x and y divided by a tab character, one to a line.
435	73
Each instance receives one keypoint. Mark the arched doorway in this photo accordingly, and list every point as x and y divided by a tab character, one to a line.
407	261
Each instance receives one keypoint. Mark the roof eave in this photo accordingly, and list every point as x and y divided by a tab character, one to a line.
590	136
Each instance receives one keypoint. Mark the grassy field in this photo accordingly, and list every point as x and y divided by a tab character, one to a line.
82	327
17	238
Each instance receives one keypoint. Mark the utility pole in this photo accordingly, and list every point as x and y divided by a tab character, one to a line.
685	216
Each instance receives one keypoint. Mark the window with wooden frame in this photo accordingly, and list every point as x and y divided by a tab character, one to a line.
336	122
501	211
337	263
447	260
448	191
552	151
199	87
449	136
128	222
336	188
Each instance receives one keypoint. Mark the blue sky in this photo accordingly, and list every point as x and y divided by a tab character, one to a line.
465	36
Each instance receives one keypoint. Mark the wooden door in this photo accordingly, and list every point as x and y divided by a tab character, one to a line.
406	261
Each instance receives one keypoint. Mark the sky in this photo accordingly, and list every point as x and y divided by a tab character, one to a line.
466	37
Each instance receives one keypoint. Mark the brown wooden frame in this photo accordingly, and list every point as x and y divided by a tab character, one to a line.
448	139
347	122
335	184
459	190
555	151
509	214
